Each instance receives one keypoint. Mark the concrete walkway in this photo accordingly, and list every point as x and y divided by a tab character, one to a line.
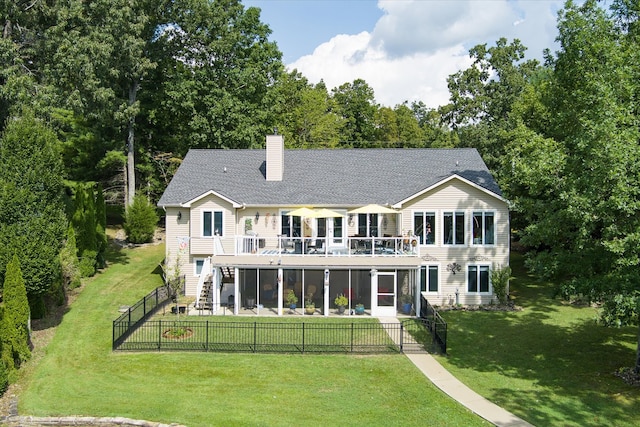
449	384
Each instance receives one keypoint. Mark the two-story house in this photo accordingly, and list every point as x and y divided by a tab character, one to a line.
380	226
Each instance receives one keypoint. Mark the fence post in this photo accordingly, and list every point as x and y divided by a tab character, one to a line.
351	337
401	337
255	338
303	337
159	335
206	344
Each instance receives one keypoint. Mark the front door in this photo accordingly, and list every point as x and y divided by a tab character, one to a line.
383	295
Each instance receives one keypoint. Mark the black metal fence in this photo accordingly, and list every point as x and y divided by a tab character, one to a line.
435	324
124	325
272	337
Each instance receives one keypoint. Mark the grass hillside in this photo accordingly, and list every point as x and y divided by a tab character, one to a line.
550	363
78	374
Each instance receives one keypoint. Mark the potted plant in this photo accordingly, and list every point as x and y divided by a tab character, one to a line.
359	308
341	302
291	299
407	301
309	306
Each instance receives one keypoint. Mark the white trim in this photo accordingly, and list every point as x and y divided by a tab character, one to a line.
213	222
444	181
426	266
464	222
434	227
495	233
195	266
466	278
188	203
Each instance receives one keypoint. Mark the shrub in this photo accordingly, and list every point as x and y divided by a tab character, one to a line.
4	374
4	377
140	220
87	263
500	277
16	314
69	262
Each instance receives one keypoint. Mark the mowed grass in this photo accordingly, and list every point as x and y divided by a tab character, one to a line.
80	375
550	363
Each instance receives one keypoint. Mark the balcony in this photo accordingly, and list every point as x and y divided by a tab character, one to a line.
353	246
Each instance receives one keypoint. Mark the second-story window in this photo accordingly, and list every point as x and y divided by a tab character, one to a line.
424	225
453	228
211	223
368	225
483	228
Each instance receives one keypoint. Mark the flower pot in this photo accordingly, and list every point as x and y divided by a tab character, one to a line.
360	310
341	309
406	308
309	310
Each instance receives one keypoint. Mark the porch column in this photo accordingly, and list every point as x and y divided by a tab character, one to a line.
236	291
280	292
326	292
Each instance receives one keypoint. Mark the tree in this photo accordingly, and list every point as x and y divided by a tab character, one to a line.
213	85
483	95
16	316
140	220
355	103
32	218
576	182
99	61
69	263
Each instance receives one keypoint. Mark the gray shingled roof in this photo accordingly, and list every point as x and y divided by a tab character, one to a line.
349	177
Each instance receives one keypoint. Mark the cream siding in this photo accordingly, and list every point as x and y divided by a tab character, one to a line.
458	196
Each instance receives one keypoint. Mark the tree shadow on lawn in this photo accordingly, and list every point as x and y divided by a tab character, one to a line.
576	362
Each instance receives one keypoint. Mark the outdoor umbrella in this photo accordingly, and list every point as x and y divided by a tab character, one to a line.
303	212
324	213
373	209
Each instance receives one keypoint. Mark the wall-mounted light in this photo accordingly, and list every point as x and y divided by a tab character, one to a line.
257	216
454	267
179	215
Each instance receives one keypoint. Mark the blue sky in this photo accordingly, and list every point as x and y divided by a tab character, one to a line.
299	26
404	49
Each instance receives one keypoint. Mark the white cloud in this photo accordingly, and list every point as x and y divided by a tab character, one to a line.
416	45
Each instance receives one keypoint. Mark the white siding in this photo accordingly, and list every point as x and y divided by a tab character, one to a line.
458	196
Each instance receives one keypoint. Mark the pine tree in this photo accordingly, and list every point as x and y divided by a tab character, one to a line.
16	315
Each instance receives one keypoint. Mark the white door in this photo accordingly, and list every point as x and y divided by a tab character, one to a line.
383	294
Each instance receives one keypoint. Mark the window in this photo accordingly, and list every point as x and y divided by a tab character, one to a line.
368	225
291	225
424	223
337	230
211	223
198	265
483	229
454	228
429	278
478	278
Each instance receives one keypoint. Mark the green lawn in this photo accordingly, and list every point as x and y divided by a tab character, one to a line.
79	375
549	363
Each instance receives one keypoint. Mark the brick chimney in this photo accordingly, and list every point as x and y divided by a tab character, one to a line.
275	157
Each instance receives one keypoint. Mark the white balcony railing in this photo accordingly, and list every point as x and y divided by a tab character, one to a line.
321	246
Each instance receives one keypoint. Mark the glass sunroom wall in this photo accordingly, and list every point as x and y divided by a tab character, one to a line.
292	280
339	284
269	288
361	288
314	287
248	287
